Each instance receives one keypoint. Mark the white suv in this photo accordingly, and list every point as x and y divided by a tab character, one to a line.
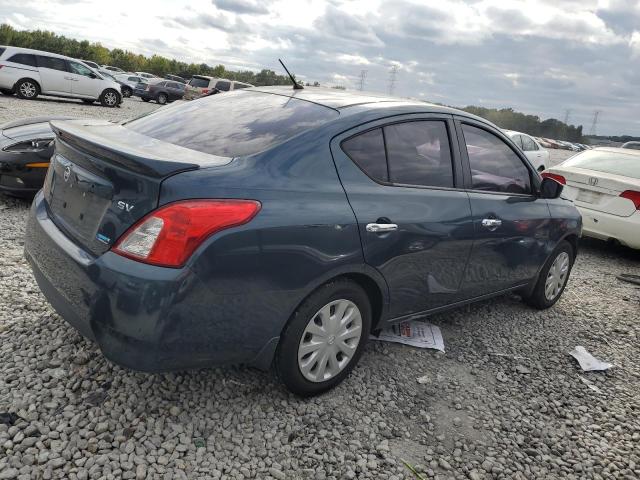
29	73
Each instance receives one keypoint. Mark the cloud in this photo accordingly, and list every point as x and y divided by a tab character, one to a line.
203	21
248	7
341	25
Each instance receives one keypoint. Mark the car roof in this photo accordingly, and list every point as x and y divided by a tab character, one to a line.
342	100
37	52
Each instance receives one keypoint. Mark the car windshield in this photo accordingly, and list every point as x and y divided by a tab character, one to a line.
617	163
253	122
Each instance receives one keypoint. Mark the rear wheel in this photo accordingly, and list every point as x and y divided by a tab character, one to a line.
162	98
27	89
324	339
109	98
553	278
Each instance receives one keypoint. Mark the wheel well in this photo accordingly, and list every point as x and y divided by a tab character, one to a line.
373	292
15	85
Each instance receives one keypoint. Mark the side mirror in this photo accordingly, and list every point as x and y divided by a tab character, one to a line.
550	188
93	75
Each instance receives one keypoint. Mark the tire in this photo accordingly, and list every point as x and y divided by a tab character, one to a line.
340	298
162	98
27	89
6	91
126	92
562	259
109	98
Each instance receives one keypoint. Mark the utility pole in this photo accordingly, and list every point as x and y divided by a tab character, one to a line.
393	73
363	78
594	124
567	113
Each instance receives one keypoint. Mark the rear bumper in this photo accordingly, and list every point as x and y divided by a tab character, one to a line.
142	317
606	227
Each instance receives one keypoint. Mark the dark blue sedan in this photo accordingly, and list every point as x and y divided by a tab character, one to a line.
272	226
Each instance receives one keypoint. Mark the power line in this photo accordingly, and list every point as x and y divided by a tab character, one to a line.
594	124
363	78
393	73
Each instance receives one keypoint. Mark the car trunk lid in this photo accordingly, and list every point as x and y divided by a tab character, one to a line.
104	177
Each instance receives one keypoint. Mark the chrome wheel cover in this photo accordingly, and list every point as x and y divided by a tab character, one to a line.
330	340
557	276
27	89
110	98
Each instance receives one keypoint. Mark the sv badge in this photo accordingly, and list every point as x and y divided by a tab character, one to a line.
127	207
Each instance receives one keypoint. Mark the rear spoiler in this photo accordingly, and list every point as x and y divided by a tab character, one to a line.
131	150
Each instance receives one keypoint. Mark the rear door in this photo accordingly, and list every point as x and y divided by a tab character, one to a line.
511	223
404	182
54	75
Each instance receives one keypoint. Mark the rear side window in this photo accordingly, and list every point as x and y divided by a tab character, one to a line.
494	166
23	59
52	63
223	86
199	82
367	151
253	122
419	153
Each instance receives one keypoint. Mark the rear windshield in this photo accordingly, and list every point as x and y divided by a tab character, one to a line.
233	124
625	164
199	82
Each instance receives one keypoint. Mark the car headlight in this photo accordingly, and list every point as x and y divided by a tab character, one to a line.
29	146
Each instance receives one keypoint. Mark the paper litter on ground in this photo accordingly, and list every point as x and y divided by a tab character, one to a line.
587	361
413	333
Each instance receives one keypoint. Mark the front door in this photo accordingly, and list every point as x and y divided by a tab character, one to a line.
511	222
83	84
404	183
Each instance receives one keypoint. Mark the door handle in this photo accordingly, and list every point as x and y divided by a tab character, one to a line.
381	227
491	224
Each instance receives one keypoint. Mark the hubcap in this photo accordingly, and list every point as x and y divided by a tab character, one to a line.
330	340
110	98
28	89
557	276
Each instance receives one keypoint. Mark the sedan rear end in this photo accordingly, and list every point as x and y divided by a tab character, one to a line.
604	184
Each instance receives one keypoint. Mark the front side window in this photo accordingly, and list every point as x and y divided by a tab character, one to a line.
80	69
528	145
52	63
419	153
367	151
23	59
494	166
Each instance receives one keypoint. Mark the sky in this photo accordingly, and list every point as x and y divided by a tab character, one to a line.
552	58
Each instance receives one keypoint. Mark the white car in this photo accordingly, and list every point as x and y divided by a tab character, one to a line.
537	155
604	184
29	73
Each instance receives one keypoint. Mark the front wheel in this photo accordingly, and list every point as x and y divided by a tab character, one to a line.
324	339
27	89
553	278
109	98
162	99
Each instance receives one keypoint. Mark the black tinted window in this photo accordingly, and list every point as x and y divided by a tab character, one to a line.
80	69
223	86
419	154
199	82
2	51
52	63
494	166
24	59
253	122
367	150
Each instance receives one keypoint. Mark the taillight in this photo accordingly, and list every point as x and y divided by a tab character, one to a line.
205	90
633	196
553	176
169	235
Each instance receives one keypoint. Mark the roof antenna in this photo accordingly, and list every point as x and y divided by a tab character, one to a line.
296	85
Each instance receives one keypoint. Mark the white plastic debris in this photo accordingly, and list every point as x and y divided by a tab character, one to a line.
588	362
413	333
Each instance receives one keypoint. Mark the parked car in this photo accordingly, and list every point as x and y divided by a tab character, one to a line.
162	92
146	75
175	78
538	156
129	83
631	145
26	147
113	69
29	73
201	85
604	183
290	231
91	64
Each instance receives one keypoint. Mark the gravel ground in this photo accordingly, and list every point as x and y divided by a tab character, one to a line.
504	402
